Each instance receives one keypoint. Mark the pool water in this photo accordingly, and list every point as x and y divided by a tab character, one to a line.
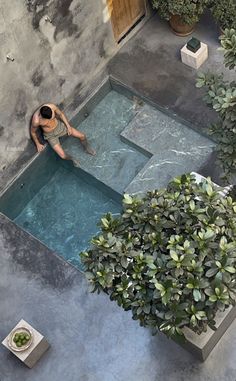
65	212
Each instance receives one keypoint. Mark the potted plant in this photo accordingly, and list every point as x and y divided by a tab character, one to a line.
224	13
170	258
182	15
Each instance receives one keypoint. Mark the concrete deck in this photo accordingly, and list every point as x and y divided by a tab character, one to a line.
91	338
150	64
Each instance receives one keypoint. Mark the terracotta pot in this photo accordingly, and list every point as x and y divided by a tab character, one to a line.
180	28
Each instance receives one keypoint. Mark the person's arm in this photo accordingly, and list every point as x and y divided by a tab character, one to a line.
33	133
64	119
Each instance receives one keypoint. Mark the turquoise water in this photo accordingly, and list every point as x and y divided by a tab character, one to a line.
64	214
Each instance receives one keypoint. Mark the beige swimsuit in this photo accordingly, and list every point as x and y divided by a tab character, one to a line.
53	136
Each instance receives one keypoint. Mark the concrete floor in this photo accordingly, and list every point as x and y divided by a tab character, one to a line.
91	338
150	64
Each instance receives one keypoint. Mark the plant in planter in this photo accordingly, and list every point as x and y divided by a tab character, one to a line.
183	15
170	258
224	13
232	192
221	96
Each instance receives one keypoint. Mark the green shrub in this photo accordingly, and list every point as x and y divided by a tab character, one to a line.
224	12
221	96
228	43
170	258
189	10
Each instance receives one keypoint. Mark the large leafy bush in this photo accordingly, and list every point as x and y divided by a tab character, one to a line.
224	12
170	258
221	96
189	10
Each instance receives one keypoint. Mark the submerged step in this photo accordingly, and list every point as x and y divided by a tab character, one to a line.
115	163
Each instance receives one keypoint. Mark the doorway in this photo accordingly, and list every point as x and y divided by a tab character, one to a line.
124	15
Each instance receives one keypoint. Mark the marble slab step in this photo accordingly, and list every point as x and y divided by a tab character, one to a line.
165	165
153	131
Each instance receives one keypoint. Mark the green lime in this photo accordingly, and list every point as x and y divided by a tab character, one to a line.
18	344
24	342
22	336
17	336
27	337
15	339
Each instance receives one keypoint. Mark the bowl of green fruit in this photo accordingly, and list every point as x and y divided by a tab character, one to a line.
20	339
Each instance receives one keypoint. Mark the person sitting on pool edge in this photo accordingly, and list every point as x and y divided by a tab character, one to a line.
49	118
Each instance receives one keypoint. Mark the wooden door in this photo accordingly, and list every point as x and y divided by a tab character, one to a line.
124	14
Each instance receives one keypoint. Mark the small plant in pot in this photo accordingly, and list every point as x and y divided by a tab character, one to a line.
170	258
224	13
182	15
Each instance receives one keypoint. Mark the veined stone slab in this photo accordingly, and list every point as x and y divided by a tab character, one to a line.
176	148
31	355
155	132
194	60
165	165
115	163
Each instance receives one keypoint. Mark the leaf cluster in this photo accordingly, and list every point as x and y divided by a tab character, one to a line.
221	96
170	257
189	10
228	43
224	12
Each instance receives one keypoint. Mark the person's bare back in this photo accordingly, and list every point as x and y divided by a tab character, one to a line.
54	125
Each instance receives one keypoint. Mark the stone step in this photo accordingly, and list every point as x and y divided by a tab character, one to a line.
176	148
162	167
116	163
153	131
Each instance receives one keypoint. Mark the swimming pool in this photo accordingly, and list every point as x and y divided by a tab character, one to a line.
61	204
139	147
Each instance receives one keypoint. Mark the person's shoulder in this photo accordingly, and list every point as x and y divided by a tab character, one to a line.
35	119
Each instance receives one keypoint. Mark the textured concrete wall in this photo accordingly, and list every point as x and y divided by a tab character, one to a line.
52	60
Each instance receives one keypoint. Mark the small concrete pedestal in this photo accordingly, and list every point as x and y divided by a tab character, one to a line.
31	355
194	60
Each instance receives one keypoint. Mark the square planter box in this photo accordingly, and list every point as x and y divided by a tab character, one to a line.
202	345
